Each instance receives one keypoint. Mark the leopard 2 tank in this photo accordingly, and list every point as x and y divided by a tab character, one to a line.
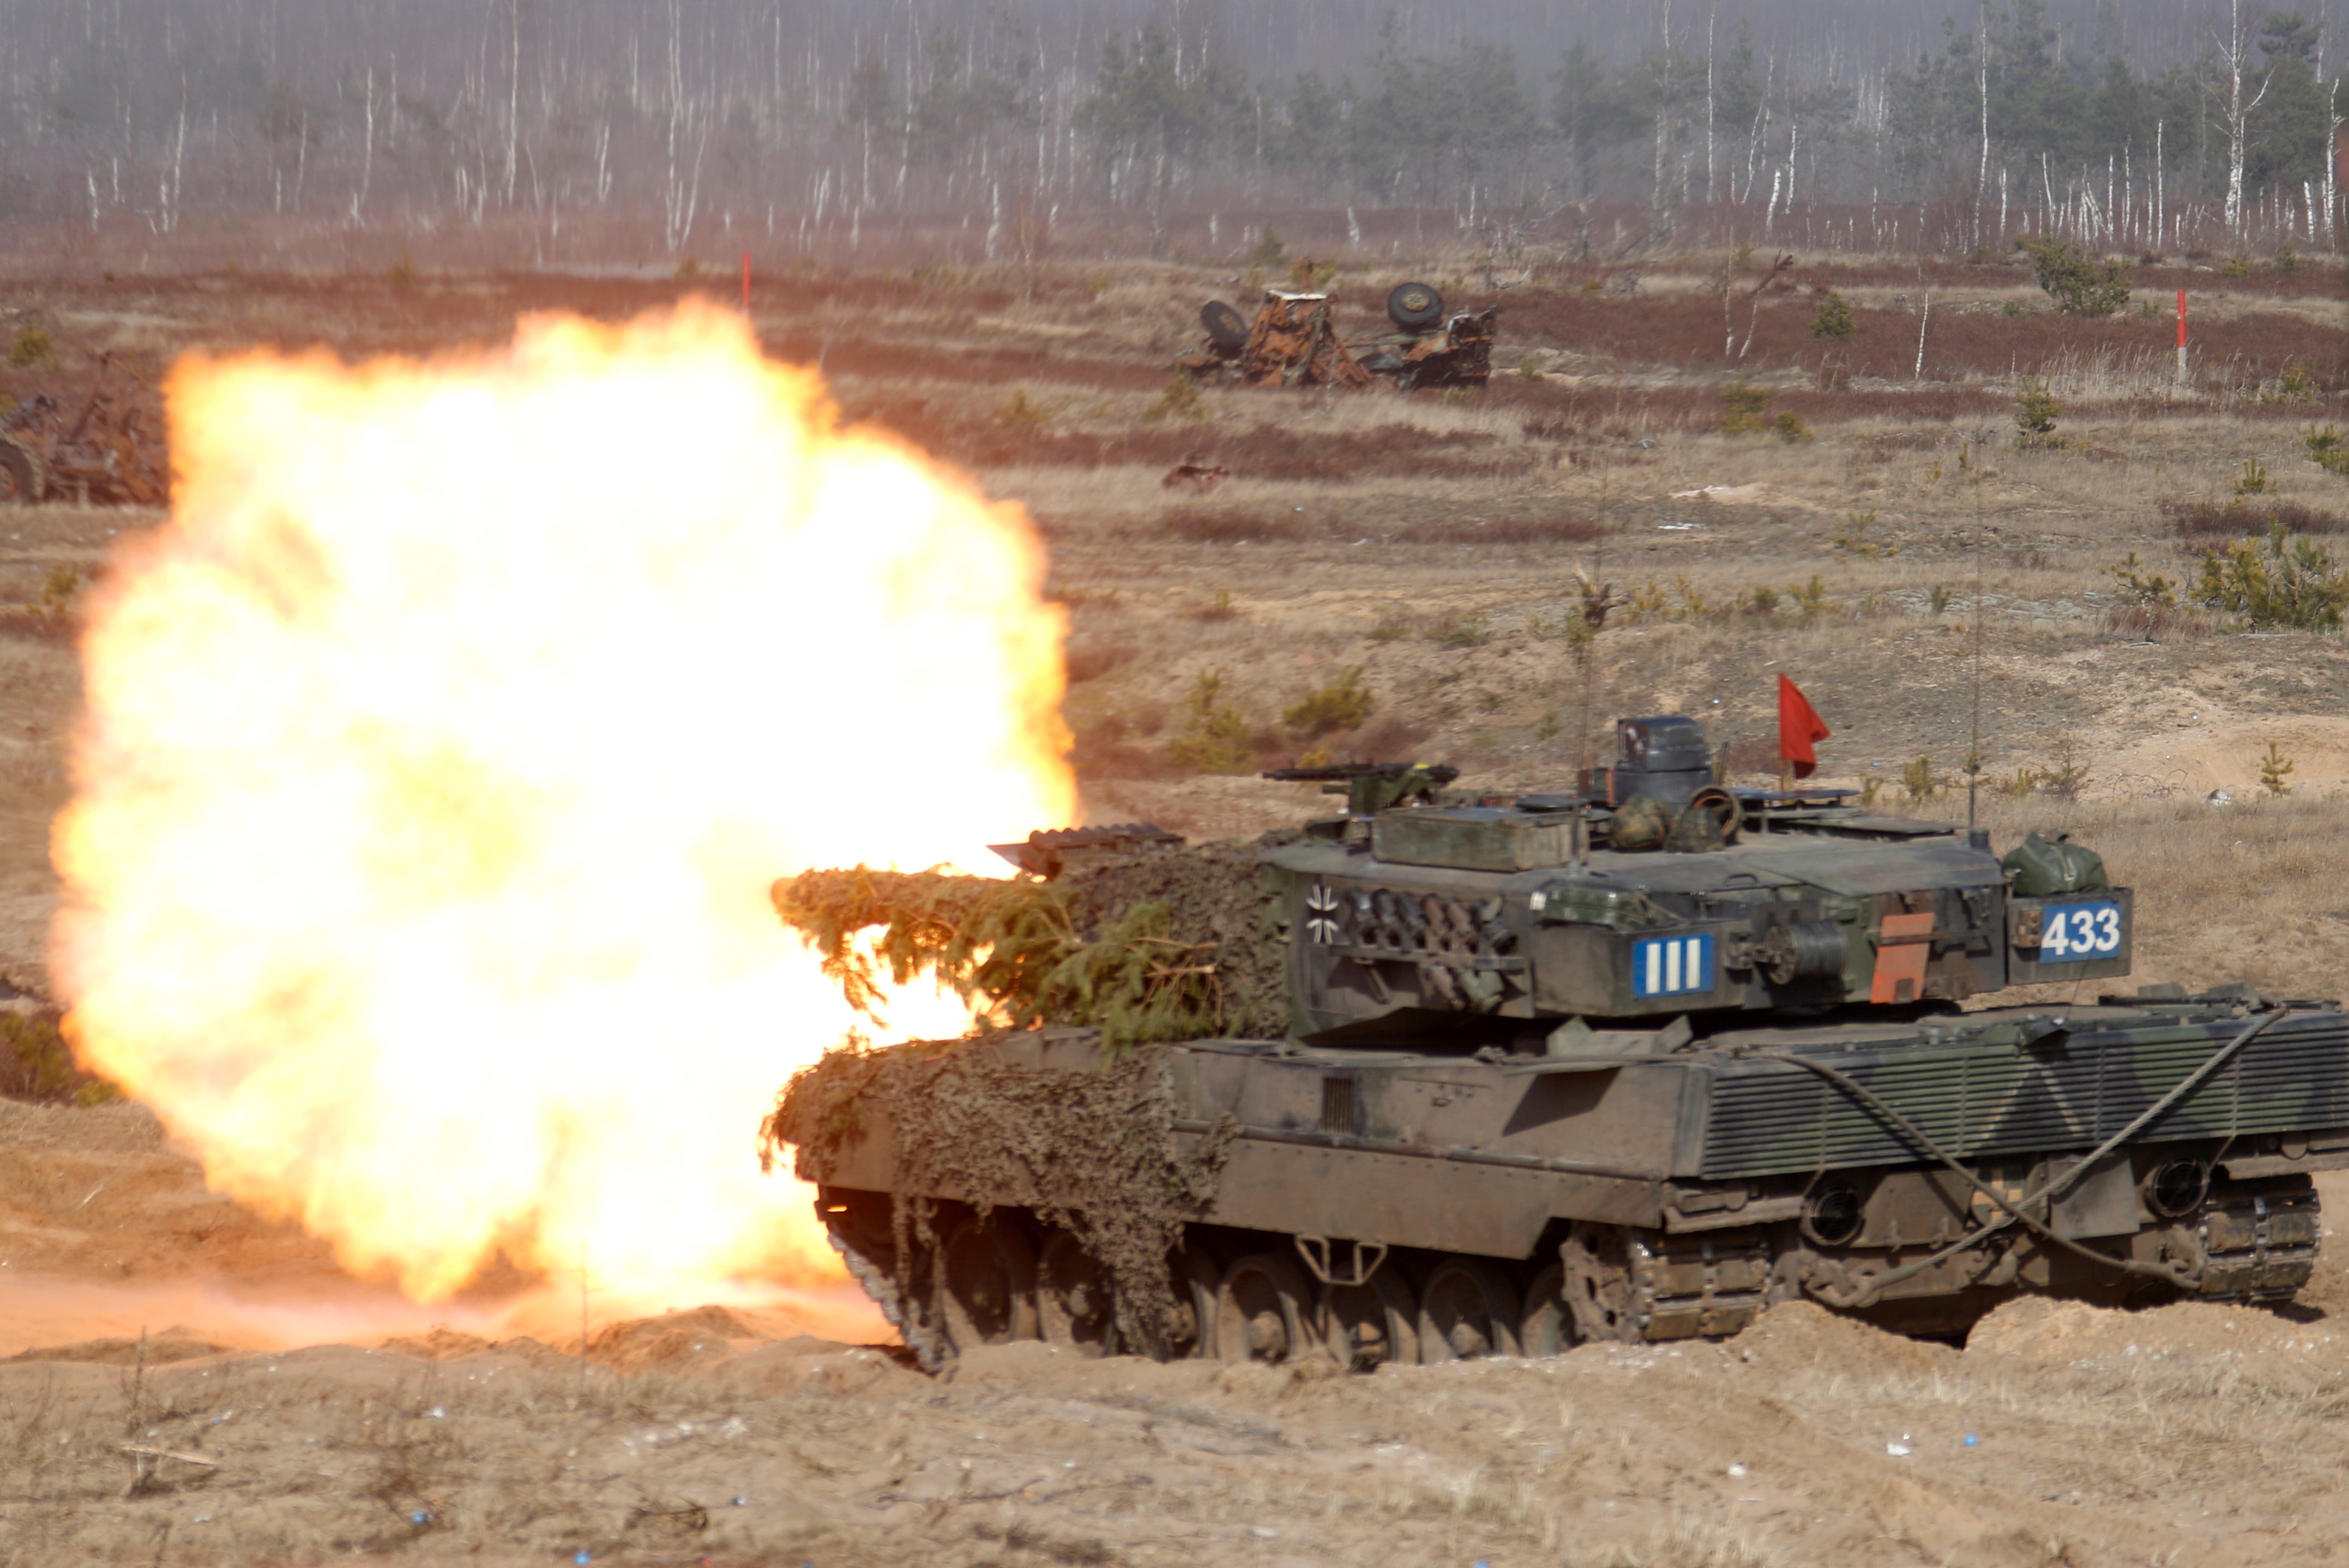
1446	1075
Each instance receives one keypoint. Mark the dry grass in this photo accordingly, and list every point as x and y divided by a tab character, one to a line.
2109	373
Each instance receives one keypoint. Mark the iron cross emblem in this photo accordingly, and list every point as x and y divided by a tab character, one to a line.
1321	913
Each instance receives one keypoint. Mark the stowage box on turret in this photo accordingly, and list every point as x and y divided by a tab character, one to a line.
1442	1076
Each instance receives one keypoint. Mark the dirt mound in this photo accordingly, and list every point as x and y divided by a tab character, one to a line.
171	1344
2039	1332
439	1345
1804	1333
706	1334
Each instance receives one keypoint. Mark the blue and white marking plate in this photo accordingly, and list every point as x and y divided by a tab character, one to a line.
2075	933
1672	966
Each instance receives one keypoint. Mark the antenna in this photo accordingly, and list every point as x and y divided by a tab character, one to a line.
1974	755
1588	650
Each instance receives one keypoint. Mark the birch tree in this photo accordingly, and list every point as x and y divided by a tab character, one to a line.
2239	114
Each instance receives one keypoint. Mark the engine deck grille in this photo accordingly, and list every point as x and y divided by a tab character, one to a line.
1770	1118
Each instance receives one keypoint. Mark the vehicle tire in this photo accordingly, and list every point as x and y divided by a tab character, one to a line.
20	475
1466	1309
1414	307
1227	329
1371	1324
987	1282
1075	1308
1263	1306
1545	1325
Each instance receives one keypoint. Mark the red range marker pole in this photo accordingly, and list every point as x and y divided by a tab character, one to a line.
2181	337
746	294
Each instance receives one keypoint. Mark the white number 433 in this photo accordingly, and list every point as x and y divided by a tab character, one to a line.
2080	931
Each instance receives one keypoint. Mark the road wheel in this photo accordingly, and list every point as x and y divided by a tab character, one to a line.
1226	329
1262	1308
1373	1323
1546	1326
1468	1309
20	475
987	1282
1074	1305
1414	307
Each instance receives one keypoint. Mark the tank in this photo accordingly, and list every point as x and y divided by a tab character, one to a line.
1445	1075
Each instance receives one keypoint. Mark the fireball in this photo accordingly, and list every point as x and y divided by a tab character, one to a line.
439	751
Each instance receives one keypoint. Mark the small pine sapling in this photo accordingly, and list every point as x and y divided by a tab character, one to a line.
1744	407
2035	412
2329	450
1832	321
2075	280
2275	767
1344	704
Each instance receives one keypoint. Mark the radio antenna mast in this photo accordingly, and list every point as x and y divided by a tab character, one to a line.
1588	649
1973	754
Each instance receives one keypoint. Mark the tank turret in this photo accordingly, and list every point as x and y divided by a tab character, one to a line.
1652	890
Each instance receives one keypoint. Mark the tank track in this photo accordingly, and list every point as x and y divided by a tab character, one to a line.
1641	1286
929	1346
1634	1286
1690	1287
2257	1248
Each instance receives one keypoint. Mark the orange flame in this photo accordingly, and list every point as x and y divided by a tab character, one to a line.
439	752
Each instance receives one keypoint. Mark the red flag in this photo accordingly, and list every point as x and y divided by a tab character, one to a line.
1799	725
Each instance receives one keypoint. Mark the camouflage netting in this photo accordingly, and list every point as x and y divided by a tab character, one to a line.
1215	895
1154	945
1096	1150
1163	944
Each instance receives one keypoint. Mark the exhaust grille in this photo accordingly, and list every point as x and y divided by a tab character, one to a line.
1338	1106
1975	1099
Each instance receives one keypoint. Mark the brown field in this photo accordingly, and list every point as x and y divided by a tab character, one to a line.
1920	567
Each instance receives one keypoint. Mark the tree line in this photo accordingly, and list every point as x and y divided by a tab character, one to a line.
1999	113
803	120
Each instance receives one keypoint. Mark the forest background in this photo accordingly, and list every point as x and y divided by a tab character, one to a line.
153	135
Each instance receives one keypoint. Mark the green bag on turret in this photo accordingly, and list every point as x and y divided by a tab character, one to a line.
2040	866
